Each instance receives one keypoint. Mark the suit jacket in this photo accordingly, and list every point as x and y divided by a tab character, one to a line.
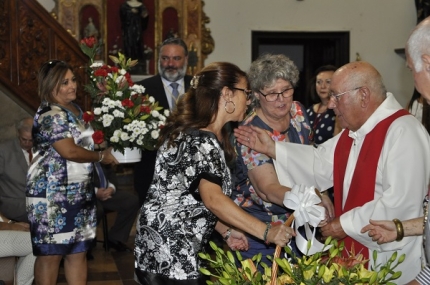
13	173
144	170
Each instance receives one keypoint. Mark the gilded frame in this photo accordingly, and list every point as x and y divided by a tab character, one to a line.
191	26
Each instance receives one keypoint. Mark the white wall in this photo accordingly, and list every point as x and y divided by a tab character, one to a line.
48	4
376	29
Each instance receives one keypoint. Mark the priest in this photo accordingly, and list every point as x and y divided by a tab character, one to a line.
375	164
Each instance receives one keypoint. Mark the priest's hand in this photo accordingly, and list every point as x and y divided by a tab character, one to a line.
333	229
257	139
329	208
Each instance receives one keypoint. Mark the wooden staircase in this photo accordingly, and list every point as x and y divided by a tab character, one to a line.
29	36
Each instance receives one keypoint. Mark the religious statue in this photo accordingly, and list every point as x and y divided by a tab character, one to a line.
90	29
134	20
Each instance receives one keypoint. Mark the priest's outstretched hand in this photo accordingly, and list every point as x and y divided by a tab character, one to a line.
256	139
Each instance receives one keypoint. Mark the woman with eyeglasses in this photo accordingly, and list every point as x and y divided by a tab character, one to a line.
189	195
322	119
257	190
60	198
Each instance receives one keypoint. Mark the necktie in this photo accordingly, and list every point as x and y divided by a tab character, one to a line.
30	155
102	177
175	93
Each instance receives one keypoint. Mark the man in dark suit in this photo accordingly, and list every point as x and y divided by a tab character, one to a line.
172	68
122	202
15	156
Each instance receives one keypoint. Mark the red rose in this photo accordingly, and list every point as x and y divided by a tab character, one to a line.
127	103
114	69
98	137
89	42
145	109
88	116
100	72
129	80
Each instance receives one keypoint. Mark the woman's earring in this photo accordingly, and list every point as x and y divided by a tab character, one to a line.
234	107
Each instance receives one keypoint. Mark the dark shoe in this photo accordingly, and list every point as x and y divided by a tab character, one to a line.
119	246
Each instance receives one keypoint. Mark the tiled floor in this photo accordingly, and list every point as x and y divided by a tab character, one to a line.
111	267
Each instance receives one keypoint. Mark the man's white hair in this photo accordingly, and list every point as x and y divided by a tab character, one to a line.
419	44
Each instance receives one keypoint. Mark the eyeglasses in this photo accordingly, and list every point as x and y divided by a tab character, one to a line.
248	93
271	97
336	96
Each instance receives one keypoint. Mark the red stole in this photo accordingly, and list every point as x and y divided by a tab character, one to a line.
362	189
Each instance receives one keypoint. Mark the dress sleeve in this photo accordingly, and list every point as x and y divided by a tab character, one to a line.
208	164
54	126
424	276
252	158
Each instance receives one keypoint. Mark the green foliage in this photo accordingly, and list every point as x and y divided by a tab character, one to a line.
328	268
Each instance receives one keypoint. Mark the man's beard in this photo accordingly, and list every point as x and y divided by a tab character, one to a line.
172	77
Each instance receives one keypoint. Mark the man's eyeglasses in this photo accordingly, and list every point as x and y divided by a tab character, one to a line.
337	96
248	93
271	97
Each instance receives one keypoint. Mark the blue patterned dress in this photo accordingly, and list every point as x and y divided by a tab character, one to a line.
60	199
244	194
322	124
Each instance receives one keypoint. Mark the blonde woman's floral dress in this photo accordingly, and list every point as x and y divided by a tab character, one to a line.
60	201
244	194
174	225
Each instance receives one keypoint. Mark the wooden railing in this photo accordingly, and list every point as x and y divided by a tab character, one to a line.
29	36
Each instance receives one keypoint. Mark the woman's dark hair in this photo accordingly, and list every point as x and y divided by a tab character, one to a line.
49	77
426	109
199	106
416	95
313	91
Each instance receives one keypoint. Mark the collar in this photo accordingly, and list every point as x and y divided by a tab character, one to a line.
167	82
388	107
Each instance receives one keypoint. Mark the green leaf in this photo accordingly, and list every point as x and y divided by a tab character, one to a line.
230	256
205	271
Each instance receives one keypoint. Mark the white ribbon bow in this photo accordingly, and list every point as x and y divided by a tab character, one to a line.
303	200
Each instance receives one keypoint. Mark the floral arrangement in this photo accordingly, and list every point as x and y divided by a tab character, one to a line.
122	115
319	268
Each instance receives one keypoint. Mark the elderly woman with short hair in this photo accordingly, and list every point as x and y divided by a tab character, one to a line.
258	191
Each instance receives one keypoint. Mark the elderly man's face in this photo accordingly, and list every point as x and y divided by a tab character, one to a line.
421	79
25	140
345	103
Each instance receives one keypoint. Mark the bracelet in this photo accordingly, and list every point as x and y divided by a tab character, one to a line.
268	227
399	229
227	234
11	222
101	156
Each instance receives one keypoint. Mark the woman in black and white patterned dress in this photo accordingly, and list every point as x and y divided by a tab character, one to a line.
189	195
